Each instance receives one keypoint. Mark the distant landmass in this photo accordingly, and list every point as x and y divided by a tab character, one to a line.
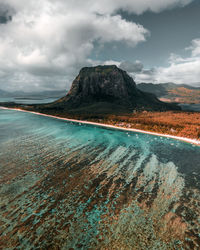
3	93
33	95
170	92
105	90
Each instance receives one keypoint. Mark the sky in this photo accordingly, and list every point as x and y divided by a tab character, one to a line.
45	43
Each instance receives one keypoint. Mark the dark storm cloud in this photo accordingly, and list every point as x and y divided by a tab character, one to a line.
6	13
4	19
149	72
131	67
137	67
137	71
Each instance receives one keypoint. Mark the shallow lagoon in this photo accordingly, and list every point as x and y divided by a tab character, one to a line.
70	185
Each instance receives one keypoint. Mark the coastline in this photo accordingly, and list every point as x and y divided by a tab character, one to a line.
184	139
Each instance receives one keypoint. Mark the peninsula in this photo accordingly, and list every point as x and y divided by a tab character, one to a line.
108	95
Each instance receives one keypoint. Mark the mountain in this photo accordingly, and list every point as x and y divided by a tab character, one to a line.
105	89
172	92
3	93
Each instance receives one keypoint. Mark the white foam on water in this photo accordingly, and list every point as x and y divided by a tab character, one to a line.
192	141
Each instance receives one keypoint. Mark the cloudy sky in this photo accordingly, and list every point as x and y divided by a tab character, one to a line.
44	43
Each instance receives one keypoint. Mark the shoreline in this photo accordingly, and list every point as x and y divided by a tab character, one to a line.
184	139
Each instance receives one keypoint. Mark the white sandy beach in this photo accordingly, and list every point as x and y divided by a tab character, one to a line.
192	141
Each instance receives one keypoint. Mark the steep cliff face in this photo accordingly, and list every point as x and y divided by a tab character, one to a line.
105	88
102	84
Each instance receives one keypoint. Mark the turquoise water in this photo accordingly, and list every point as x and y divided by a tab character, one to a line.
70	185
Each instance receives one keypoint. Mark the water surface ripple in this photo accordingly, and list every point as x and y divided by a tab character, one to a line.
72	186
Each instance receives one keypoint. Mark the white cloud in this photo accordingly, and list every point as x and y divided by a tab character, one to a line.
133	6
135	67
180	70
186	72
195	47
48	41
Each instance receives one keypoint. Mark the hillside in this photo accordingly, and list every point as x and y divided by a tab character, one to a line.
170	92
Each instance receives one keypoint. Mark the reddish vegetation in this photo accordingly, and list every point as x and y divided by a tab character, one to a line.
184	95
177	123
184	124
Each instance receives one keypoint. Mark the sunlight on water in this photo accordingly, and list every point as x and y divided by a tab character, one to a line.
68	185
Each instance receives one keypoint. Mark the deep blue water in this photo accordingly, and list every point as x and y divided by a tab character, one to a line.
190	107
72	185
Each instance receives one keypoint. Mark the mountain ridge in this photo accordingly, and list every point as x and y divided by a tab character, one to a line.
171	92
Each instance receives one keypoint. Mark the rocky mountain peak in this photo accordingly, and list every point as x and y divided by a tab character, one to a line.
102	83
108	86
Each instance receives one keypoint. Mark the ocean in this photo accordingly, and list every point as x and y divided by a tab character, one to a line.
24	100
66	185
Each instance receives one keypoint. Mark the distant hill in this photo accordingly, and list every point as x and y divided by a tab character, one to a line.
170	92
3	93
40	95
105	90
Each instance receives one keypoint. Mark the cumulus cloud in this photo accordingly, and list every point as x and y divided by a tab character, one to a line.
137	71
180	70
187	72
133	6
146	75
195	47
43	44
135	67
44	41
